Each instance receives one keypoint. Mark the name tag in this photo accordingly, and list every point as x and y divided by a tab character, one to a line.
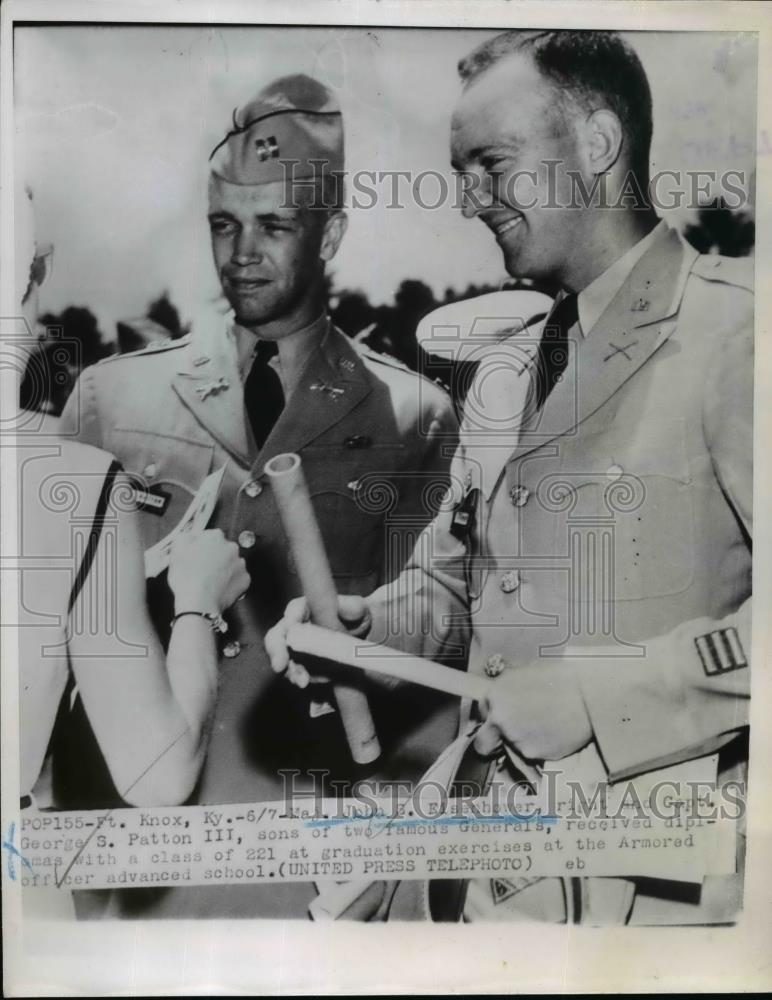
151	498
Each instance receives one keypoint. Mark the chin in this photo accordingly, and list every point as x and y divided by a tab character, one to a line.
250	320
251	314
515	266
519	265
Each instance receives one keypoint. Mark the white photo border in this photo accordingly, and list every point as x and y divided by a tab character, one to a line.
286	958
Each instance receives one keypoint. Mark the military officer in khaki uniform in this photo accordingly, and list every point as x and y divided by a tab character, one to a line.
375	441
603	472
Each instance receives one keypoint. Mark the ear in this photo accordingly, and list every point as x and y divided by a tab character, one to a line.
334	229
603	138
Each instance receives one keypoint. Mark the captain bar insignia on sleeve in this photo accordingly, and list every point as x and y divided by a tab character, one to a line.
721	651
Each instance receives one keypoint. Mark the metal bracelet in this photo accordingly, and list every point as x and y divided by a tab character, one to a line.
216	621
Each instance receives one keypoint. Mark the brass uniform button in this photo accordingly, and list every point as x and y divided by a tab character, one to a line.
231	649
247	539
519	496
495	665
510	581
253	489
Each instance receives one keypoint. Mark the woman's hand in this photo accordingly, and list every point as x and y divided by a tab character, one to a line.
206	572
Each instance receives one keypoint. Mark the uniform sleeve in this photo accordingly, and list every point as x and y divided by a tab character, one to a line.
691	691
425	610
80	417
436	433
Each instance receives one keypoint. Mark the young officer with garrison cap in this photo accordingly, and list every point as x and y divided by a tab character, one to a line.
375	441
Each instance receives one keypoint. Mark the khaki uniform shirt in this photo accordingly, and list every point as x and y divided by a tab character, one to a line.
619	517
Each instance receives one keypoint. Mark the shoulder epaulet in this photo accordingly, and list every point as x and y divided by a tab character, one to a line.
385	359
730	270
154	348
391	362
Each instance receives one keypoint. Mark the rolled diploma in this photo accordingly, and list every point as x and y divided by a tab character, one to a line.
307	547
353	652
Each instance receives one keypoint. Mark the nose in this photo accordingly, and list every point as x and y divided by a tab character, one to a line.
475	194
246	250
245	259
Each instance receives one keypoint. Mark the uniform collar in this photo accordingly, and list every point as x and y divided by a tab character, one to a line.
638	320
332	383
593	300
329	383
635	324
295	350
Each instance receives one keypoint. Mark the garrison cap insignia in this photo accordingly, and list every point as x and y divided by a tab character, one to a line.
267	148
291	130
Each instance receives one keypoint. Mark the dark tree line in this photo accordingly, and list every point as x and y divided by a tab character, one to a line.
72	339
720	230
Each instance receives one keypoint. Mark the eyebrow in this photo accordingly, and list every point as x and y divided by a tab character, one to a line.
478	152
261	216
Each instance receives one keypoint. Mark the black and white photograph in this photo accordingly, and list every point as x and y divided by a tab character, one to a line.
378	432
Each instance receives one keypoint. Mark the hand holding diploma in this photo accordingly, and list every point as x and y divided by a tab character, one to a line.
353	617
375	658
195	518
307	548
206	571
537	709
294	635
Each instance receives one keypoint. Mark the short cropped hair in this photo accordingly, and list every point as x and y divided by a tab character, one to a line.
595	69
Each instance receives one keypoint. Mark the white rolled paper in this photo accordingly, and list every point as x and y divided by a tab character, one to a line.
343	648
307	546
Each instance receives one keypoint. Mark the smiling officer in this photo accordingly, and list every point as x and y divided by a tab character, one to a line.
375	441
606	457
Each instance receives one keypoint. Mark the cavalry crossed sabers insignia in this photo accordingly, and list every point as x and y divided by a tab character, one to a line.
620	350
332	391
211	388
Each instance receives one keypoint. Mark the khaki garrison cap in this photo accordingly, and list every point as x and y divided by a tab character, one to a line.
292	130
